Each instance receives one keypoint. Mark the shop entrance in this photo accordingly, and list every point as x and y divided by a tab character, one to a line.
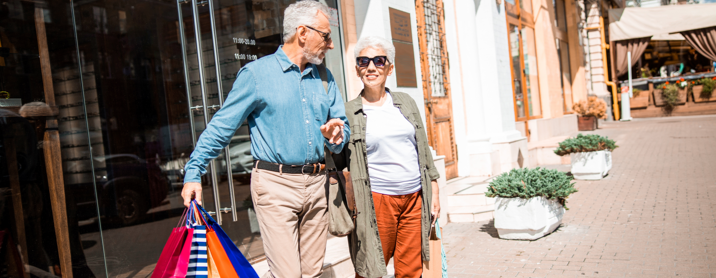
217	39
101	103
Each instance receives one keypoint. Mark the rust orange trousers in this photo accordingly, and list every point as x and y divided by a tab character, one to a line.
398	218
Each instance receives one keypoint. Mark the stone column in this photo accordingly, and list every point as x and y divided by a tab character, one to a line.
498	102
474	144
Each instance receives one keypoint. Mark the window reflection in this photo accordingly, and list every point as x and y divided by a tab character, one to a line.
105	118
517	70
529	53
44	146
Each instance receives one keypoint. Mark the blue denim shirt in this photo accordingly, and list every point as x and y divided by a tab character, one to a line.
285	110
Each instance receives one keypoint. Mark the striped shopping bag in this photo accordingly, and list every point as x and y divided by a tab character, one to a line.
198	258
228	259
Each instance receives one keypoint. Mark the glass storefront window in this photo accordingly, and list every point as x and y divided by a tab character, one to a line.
565	74
560	15
109	117
517	70
523	54
524	72
46	179
529	59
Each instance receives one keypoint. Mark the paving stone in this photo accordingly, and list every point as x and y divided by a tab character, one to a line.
654	215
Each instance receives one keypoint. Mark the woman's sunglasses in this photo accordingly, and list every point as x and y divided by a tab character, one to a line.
378	61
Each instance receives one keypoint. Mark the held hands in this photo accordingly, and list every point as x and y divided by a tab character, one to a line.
333	131
191	190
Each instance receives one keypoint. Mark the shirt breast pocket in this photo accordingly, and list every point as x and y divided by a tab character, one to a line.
321	106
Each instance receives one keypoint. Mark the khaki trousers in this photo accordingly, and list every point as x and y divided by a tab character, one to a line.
293	216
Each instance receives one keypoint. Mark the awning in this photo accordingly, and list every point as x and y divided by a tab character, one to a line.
631	23
668	37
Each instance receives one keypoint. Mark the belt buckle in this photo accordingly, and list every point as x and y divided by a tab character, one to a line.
314	168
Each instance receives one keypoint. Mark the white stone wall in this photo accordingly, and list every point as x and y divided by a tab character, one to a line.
480	78
461	75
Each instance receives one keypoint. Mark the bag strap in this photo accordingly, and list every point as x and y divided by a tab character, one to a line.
323	73
330	163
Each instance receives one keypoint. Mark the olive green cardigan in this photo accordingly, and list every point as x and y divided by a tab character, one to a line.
365	247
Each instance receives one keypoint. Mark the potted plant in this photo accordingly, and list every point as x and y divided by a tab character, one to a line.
670	97
591	155
530	202
658	94
639	99
702	89
683	88
670	94
589	111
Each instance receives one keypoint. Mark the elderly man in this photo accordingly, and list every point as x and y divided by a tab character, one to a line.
291	118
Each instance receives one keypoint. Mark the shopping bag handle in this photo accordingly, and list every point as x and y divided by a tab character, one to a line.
204	213
182	218
194	216
190	216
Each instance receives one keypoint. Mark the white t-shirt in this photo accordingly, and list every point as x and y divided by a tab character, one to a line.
393	164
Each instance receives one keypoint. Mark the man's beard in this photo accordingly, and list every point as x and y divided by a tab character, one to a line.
313	58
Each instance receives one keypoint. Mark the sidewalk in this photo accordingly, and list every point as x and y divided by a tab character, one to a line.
653	216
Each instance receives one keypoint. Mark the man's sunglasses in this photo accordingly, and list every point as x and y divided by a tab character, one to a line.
378	61
326	36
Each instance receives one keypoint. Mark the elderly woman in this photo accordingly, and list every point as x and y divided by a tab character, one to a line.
394	179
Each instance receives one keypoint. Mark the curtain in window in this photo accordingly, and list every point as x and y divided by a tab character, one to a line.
635	46
703	40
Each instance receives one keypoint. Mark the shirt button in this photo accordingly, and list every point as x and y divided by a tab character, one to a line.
306	121
304	100
309	142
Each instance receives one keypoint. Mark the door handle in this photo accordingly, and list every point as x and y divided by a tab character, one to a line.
202	83
429	103
220	89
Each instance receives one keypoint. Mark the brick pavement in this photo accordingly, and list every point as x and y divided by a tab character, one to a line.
653	216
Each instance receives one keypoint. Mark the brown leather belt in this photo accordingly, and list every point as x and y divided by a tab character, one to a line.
291	169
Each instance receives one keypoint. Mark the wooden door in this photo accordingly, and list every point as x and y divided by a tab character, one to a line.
436	81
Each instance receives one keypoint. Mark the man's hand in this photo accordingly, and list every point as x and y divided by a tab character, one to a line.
191	190
333	131
435	211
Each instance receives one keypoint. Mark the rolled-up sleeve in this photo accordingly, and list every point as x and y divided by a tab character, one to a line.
241	101
337	111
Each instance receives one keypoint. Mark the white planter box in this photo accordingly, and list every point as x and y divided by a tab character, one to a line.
591	165
518	218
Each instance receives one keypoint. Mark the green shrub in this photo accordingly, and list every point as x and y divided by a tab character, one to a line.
709	85
528	183
670	95
636	92
585	143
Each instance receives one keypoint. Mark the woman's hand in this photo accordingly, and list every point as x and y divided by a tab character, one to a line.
435	210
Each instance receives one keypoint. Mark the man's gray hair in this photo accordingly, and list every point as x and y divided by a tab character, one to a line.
301	13
377	43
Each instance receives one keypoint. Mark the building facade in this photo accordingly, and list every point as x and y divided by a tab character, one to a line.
517	67
104	101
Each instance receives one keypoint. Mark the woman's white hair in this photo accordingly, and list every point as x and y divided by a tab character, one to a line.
377	43
301	13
